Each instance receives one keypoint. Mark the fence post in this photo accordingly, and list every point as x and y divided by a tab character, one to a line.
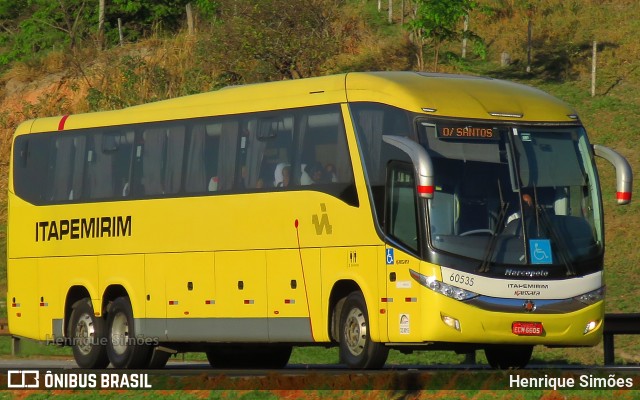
593	68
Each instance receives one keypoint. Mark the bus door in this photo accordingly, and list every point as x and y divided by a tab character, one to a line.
401	226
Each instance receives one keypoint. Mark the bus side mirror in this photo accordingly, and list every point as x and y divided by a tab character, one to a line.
624	175
421	162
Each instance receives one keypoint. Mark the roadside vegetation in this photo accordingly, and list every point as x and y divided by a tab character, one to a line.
60	67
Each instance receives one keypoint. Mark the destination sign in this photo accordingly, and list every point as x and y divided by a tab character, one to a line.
467	132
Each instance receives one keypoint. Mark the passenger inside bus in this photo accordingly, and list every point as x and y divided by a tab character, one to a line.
282	175
312	173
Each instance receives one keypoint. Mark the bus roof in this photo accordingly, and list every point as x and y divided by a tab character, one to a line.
461	96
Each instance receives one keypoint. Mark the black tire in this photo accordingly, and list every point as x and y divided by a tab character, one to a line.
508	357
124	349
88	336
260	356
357	350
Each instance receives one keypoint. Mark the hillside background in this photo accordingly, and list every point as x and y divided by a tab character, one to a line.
55	60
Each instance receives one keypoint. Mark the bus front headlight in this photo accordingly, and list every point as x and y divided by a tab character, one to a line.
430	282
591	297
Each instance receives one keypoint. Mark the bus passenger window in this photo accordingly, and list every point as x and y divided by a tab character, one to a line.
159	153
196	178
67	169
324	153
108	164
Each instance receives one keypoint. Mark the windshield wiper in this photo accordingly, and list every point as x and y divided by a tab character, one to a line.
486	260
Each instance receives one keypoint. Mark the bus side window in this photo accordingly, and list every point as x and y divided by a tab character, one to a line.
401	207
108	164
154	142
30	165
323	149
196	179
227	153
211	155
67	168
160	154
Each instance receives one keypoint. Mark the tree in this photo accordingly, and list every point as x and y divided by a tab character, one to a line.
274	39
436	22
42	25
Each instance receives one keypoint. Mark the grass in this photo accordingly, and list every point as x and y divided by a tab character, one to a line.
626	346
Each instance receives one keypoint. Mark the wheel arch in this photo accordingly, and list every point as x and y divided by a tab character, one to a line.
74	294
111	293
341	289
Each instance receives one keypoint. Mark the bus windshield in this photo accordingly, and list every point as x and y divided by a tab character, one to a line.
513	194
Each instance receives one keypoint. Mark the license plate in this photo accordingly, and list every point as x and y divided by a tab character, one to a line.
527	328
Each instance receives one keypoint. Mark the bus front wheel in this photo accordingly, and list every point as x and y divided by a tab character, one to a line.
508	357
357	350
125	350
88	336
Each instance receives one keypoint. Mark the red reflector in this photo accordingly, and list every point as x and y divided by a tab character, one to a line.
425	189
527	328
410	299
623	196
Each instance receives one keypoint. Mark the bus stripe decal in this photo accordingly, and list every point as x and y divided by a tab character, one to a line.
304	279
63	120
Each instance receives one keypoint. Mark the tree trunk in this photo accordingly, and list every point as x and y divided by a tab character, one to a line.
190	18
101	7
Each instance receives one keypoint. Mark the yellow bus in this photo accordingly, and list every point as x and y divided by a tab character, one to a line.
365	210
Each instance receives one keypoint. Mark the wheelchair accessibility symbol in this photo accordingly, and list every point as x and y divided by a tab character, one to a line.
540	250
390	257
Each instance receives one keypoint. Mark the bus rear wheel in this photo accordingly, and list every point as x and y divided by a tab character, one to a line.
267	356
124	349
357	350
88	337
508	357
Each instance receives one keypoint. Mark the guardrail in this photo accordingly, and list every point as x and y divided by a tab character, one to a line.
4	331
4	327
618	324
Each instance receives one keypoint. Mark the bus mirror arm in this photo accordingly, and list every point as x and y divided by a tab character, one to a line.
624	175
421	162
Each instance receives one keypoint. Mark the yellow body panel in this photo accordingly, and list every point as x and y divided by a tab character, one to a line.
274	255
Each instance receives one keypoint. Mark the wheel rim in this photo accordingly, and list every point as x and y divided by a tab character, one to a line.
119	333
85	334
355	332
